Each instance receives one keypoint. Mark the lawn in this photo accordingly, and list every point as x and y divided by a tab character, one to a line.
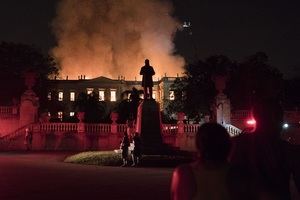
111	158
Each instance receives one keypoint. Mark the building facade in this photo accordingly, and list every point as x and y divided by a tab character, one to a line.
62	94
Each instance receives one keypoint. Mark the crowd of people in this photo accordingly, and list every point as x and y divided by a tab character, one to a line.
256	165
131	137
135	152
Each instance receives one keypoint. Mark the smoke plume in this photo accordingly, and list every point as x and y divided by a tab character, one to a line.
114	37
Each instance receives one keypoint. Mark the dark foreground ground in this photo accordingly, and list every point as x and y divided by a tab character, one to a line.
44	176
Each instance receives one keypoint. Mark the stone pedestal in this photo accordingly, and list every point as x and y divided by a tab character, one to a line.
222	103
223	112
149	126
83	141
81	128
180	123
28	108
114	126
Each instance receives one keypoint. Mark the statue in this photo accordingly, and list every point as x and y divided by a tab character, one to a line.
147	72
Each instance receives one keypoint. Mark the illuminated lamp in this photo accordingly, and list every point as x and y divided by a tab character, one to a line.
250	125
251	122
285	125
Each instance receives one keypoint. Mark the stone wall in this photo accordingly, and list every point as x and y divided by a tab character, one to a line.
8	125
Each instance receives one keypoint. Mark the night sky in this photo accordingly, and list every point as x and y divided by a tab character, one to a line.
234	28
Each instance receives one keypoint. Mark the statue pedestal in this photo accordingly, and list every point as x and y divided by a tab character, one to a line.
149	127
223	112
28	108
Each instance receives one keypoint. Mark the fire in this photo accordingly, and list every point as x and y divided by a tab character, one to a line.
113	38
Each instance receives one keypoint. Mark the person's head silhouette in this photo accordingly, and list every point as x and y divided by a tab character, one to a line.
268	115
147	62
213	143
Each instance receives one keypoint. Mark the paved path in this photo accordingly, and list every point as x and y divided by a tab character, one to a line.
43	176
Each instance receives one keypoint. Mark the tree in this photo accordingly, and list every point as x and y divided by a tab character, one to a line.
15	60
179	88
254	78
291	93
195	92
129	106
95	110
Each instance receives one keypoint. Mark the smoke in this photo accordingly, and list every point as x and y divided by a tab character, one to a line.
114	37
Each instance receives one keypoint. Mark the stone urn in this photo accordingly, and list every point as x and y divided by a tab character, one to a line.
30	79
44	118
180	117
80	116
114	116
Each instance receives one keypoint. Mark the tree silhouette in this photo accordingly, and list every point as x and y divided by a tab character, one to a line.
95	110
128	106
254	78
195	92
15	60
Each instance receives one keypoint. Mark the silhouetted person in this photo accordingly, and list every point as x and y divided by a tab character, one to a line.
124	147
147	72
28	139
263	154
207	178
136	153
130	123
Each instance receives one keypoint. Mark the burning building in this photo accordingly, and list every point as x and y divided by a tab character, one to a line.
111	91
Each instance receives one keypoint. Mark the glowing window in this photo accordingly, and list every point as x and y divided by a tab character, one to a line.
172	95
113	95
60	96
89	90
72	114
60	115
49	96
72	96
154	94
101	95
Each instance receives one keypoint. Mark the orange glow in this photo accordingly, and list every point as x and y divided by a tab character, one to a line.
95	41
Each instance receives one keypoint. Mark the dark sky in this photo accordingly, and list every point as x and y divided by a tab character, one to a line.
236	28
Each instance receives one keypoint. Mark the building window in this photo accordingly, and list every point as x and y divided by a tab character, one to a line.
60	115
60	96
49	96
101	95
72	114
89	90
72	96
154	94
113	95
172	95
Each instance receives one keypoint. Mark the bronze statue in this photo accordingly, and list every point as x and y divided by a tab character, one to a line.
147	71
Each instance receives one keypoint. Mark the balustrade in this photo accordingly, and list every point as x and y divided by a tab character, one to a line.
232	130
8	111
121	128
169	129
240	114
191	128
98	128
58	127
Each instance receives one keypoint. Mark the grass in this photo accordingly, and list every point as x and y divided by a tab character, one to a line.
110	158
